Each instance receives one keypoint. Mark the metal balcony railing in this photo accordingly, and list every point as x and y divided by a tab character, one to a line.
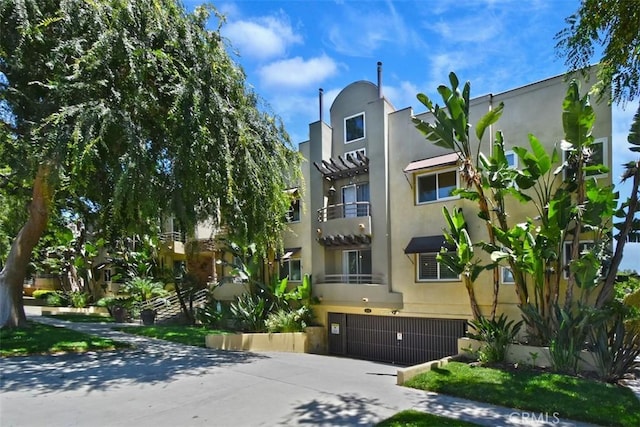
171	236
359	279
344	210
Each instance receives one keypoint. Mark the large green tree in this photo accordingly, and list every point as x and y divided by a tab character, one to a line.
614	26
129	111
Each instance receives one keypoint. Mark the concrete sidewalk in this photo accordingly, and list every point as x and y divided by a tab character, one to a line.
165	384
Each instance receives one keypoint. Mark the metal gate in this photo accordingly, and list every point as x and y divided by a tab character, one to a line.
399	340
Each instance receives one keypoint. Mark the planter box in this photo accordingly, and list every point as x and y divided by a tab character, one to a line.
524	354
313	340
69	310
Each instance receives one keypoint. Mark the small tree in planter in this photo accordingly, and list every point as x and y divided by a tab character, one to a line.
143	289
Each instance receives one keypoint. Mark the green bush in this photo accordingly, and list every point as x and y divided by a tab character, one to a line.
250	312
42	293
496	335
143	289
57	299
79	299
289	320
211	314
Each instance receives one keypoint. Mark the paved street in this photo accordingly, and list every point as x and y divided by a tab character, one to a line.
164	384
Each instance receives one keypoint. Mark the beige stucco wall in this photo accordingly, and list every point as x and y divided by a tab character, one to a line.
535	108
392	142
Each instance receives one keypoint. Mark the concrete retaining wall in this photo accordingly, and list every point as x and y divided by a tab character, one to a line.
313	340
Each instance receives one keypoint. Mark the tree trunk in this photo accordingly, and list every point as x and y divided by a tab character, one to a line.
606	293
475	308
15	270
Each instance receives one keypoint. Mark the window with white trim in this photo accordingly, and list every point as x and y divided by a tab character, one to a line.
354	128
599	156
293	215
506	276
436	186
585	245
291	269
429	269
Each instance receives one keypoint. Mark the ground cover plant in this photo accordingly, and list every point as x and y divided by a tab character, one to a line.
570	397
81	317
412	418
189	335
38	338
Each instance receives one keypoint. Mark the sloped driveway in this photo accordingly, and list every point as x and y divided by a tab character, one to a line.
165	384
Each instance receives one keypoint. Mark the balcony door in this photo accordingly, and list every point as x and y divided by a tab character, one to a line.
351	194
356	266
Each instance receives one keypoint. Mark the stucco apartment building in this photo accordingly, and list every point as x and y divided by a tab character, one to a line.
369	221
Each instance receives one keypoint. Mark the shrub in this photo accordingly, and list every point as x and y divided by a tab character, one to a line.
496	335
616	341
250	312
289	320
570	337
143	288
57	299
211	314
79	299
42	293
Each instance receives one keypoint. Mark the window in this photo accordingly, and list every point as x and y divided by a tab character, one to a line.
354	200
598	156
294	211
354	128
356	266
512	158
291	269
506	276
437	186
430	269
585	245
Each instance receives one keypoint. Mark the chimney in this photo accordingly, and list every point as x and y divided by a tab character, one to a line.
379	79
320	95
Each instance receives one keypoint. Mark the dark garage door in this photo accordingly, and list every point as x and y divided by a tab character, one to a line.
399	340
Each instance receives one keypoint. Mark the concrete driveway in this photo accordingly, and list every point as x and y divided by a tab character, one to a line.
165	384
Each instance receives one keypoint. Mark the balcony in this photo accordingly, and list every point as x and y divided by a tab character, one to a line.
172	242
345	219
344	210
359	279
171	236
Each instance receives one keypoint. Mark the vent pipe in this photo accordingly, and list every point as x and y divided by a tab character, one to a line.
320	101
379	79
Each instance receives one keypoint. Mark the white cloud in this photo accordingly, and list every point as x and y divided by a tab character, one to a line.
403	96
362	30
297	72
262	38
478	28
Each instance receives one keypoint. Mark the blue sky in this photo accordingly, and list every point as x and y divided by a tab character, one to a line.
290	49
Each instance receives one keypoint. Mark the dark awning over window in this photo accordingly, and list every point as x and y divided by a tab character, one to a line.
426	244
288	253
447	159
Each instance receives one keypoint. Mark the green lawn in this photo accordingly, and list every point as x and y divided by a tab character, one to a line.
189	335
413	418
540	392
81	317
45	339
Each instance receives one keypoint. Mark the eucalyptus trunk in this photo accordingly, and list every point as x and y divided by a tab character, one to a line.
15	269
